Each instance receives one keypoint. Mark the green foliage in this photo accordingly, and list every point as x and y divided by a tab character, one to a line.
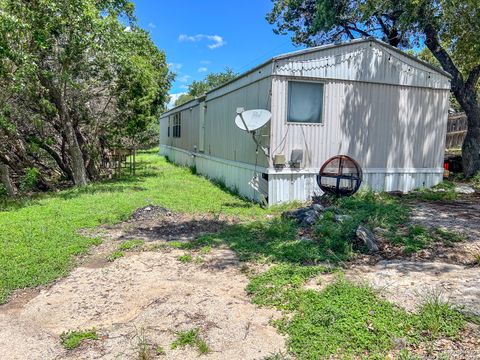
184	98
445	191
211	81
476	180
343	320
72	339
279	286
265	241
191	338
367	208
80	67
314	22
115	255
30	179
185	258
3	191
436	318
130	245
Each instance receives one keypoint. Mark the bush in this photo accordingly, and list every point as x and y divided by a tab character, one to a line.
30	180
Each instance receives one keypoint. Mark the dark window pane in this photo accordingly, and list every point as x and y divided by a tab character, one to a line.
305	102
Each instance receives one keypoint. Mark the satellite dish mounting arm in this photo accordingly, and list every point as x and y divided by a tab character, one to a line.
264	149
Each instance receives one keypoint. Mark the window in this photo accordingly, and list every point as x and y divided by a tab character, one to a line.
168	127
177	125
305	102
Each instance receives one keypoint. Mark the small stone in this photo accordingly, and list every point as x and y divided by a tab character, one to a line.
342	218
310	220
367	237
318	207
311	213
464	189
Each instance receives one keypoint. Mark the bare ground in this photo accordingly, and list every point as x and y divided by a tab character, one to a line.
142	300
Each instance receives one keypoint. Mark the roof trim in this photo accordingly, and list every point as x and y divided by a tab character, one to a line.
359	41
314	49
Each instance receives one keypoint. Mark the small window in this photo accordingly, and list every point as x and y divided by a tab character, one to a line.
168	127
177	125
305	102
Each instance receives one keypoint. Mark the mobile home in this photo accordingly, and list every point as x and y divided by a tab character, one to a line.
365	99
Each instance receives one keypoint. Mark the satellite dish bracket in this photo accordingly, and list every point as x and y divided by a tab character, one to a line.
264	149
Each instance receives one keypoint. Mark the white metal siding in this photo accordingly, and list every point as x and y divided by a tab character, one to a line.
223	139
189	134
364	61
381	126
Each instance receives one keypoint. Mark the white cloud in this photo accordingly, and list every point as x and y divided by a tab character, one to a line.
216	40
184	78
152	25
202	69
175	66
128	29
173	98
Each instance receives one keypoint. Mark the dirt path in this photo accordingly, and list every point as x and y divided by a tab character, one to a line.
148	294
144	297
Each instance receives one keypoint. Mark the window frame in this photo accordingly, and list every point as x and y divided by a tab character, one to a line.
177	125
287	102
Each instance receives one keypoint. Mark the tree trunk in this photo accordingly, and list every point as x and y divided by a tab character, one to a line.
78	165
465	93
6	181
471	144
58	159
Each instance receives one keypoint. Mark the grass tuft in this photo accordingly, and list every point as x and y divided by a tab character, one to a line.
130	245
115	255
72	339
186	258
191	338
437	318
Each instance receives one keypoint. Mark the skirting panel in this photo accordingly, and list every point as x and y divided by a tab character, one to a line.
301	186
287	186
236	176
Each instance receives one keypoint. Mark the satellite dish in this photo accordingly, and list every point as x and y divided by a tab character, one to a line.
252	120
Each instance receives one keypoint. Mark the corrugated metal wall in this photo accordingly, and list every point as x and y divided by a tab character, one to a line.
222	137
363	61
381	126
189	138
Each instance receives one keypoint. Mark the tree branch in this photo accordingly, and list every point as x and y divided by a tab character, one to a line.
473	78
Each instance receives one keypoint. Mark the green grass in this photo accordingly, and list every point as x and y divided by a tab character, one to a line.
72	339
447	193
185	258
344	320
130	245
115	255
39	235
418	237
191	338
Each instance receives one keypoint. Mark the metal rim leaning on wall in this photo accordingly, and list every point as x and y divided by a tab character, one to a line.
340	176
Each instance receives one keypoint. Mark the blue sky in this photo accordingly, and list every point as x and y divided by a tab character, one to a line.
206	36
